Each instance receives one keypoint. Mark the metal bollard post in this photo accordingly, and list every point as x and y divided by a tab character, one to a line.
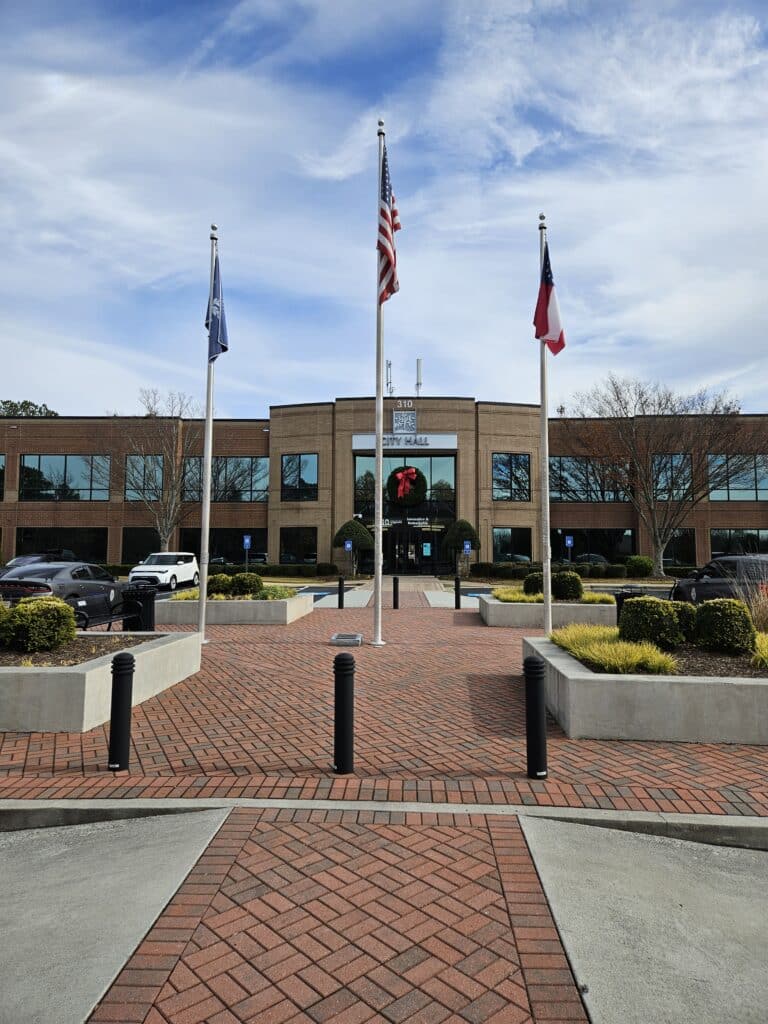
120	715
457	593
343	714
341	591
535	718
395	591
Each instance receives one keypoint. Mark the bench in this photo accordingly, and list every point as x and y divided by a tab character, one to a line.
101	613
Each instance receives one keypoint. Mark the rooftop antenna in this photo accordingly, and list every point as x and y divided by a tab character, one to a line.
390	389
418	378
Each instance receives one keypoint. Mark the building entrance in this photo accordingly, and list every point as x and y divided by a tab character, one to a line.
411	550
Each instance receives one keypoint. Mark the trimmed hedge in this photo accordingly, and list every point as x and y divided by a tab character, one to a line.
219	583
725	625
503	570
686	619
567	586
614	572
639	566
245	583
534	583
38	624
679	571
650	619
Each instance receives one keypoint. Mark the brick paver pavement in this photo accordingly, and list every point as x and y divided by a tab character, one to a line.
353	917
439	717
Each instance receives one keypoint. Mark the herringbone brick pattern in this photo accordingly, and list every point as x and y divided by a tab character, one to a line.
353	917
439	716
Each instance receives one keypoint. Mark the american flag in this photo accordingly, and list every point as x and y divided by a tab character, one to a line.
389	223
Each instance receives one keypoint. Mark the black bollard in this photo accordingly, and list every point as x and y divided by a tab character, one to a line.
120	715
341	591
395	591
535	718
343	714
457	593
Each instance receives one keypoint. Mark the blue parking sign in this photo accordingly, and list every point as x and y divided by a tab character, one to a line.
246	542
568	540
347	545
467	547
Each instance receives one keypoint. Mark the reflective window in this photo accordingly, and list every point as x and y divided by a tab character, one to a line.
573	478
511	477
2	476
681	548
672	476
225	544
143	477
88	543
298	479
138	541
591	545
439	472
298	545
511	544
738	542
233	478
738	477
64	478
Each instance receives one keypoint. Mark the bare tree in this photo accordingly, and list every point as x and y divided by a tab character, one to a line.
156	465
663	452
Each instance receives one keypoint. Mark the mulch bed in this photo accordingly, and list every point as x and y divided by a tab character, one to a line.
693	661
79	650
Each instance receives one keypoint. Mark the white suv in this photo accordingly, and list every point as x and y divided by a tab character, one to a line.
167	569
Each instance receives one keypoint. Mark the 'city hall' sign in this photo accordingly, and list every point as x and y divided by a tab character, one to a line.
406	442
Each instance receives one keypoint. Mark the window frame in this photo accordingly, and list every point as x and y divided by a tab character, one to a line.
299	492
510	497
79	491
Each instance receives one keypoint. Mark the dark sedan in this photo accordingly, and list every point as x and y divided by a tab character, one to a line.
80	584
730	576
60	555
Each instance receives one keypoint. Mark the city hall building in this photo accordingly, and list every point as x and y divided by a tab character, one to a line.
289	482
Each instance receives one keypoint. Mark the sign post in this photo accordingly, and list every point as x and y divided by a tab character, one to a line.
569	545
246	548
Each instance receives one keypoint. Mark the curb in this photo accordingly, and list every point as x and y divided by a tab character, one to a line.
749	833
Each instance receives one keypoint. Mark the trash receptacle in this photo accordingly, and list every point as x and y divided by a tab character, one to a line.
143	619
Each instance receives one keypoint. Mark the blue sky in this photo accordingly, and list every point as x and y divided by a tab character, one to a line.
126	128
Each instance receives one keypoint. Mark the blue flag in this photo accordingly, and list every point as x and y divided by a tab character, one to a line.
215	320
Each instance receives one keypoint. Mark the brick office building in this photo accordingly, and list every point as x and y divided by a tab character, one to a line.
291	480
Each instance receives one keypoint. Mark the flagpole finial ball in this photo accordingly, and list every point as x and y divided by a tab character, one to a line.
381	127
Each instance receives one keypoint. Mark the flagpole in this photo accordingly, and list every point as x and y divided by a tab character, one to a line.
205	515
378	534
546	563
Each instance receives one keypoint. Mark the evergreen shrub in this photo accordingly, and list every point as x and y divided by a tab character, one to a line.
613	572
650	619
219	583
245	583
725	625
38	624
686	619
567	586
534	583
639	566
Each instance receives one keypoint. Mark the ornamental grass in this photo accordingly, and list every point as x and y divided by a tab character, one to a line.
599	648
514	595
760	657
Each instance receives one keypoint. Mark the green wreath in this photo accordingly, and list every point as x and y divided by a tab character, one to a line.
406	486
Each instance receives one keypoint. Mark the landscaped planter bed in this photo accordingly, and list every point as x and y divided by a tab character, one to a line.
506	613
686	709
77	698
234	613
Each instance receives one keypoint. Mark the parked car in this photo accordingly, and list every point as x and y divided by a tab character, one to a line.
56	555
509	557
167	569
729	576
592	559
79	583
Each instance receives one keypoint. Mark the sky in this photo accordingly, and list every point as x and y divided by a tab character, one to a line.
126	129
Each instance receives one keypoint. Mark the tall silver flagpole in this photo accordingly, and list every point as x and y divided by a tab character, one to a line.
379	485
205	515
546	555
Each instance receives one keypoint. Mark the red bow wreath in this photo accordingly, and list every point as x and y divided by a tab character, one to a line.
405	477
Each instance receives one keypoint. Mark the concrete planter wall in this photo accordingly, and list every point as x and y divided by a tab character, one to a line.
503	613
685	709
235	613
77	698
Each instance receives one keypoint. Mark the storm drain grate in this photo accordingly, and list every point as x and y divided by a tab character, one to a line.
347	639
